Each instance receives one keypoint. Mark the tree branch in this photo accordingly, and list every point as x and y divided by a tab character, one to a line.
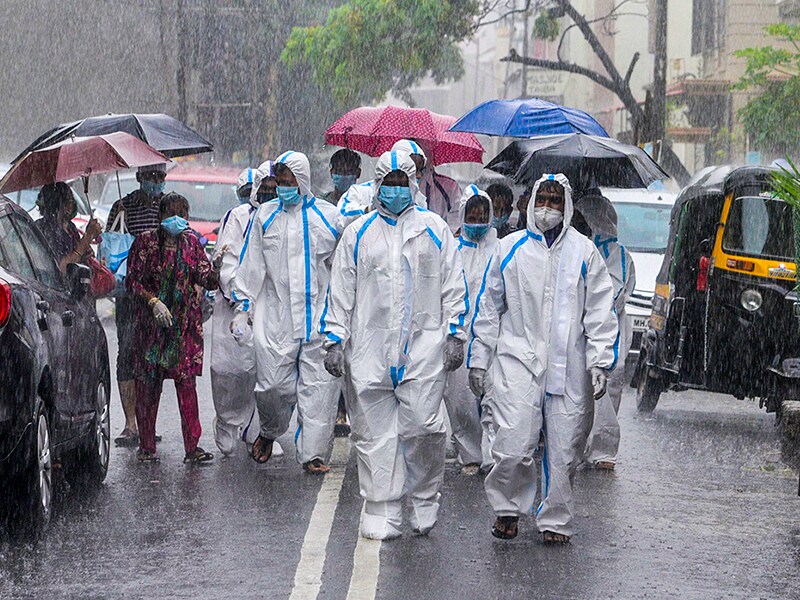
629	73
559	65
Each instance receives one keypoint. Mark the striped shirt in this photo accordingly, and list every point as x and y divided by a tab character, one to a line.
139	217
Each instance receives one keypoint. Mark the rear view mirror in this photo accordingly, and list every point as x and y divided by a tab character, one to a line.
705	247
79	277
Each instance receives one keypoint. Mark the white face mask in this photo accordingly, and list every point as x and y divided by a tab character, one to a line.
546	218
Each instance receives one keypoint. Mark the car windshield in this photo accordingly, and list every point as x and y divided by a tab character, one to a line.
27	198
207	201
111	193
758	226
643	227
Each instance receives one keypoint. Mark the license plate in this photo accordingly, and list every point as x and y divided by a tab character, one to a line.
639	323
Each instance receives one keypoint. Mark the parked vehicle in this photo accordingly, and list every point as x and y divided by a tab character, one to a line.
54	373
724	310
643	228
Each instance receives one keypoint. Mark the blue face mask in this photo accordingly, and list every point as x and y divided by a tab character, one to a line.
289	195
342	183
151	188
175	225
395	198
498	222
476	232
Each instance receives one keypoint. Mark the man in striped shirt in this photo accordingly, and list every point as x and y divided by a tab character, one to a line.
140	209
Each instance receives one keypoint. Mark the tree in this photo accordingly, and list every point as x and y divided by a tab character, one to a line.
771	116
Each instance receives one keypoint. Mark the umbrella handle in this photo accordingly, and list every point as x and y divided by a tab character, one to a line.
86	194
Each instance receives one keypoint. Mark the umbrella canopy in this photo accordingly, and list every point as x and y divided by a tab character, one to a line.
79	157
374	131
587	161
527	117
167	135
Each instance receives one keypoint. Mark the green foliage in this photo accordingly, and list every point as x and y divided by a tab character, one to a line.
786	184
368	47
546	26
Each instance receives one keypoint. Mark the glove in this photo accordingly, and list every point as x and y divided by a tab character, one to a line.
599	381
216	264
240	328
334	360
161	313
453	353
476	381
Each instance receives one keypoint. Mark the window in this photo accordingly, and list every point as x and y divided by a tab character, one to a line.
643	227
208	201
760	227
44	264
12	253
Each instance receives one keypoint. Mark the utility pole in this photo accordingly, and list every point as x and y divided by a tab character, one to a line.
657	125
525	47
182	58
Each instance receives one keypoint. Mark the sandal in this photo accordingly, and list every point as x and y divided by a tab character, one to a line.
316	467
198	456
505	528
128	438
551	537
604	465
147	457
261	450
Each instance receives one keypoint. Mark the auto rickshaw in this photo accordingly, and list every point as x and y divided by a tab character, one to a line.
723	315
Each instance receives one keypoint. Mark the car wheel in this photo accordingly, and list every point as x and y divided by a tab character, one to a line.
34	502
88	465
648	391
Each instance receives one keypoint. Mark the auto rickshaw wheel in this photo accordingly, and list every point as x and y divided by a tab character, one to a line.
648	391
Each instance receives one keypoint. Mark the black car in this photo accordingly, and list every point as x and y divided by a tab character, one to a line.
54	373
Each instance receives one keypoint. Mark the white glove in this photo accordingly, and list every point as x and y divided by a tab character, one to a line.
477	379
599	381
161	313
334	360
240	328
453	353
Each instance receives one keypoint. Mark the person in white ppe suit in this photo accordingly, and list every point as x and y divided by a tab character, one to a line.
553	342
233	365
280	288
394	323
600	215
469	420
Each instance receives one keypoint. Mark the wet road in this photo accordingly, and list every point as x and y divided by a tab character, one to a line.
700	506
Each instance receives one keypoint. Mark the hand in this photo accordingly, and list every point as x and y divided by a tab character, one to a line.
93	229
477	381
334	360
453	353
240	327
216	264
161	313
599	380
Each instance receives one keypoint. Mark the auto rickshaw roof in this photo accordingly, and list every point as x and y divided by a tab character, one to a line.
747	177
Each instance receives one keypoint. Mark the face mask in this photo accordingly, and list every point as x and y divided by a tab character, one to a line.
476	232
174	225
262	197
546	218
498	222
289	195
151	188
395	198
342	183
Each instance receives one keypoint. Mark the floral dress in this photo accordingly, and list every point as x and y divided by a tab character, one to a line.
170	274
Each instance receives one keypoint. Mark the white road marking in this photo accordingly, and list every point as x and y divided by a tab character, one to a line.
366	568
308	577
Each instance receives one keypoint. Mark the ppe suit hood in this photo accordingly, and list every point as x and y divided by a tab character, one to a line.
245	177
298	164
599	213
410	147
568	208
469	192
394	161
263	171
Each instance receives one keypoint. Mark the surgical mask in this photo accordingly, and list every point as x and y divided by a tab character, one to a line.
342	183
175	225
498	222
151	188
289	195
262	197
476	232
546	218
395	198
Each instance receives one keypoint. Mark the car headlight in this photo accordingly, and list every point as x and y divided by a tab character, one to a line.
751	300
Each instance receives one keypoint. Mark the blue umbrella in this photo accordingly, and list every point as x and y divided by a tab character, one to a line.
525	118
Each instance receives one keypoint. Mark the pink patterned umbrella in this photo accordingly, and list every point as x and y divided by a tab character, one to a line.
374	131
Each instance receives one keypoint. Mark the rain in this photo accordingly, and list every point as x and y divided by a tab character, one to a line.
376	299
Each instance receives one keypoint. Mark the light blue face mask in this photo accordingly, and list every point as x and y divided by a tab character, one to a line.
498	222
476	232
342	183
289	195
151	188
175	225
395	198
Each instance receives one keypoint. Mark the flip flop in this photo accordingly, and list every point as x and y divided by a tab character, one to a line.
261	450
127	439
147	457
198	456
316	467
506	523
551	537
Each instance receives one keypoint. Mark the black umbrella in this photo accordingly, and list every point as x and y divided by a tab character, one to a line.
586	160
167	135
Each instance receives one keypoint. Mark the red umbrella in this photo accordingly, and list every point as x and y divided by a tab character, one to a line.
79	157
374	131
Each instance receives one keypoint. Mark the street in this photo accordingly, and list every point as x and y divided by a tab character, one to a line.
700	506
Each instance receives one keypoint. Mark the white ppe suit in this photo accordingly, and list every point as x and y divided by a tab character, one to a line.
470	419
281	281
397	291
233	364
603	442
557	322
